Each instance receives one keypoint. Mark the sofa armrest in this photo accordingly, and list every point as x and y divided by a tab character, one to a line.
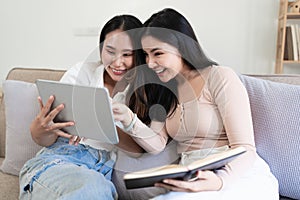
31	74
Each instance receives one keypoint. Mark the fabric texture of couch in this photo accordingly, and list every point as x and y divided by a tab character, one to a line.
276	126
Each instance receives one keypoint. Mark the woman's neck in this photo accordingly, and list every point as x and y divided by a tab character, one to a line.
114	86
109	83
190	85
186	75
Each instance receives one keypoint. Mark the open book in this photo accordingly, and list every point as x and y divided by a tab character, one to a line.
148	177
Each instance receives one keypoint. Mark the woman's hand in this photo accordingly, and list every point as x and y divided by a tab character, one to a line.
44	132
122	113
207	181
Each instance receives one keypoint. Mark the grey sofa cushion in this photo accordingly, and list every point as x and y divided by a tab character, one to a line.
125	164
275	111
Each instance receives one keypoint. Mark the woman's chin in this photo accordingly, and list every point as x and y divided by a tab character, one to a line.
117	78
164	79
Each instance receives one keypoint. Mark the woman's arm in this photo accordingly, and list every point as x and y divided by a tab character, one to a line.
232	101
152	139
128	145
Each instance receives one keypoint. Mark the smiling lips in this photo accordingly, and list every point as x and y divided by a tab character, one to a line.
159	71
118	71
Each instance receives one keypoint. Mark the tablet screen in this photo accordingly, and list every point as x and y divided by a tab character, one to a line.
89	107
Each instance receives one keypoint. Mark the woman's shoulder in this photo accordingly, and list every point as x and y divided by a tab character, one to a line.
217	76
223	72
221	68
89	67
83	72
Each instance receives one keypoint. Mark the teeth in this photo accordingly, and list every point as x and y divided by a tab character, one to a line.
159	71
118	71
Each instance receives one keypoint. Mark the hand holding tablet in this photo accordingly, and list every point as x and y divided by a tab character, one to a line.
89	107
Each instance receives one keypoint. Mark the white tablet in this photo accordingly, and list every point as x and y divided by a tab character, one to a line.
89	107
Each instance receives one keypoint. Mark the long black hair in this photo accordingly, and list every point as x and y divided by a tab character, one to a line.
151	99
142	80
124	23
131	25
171	27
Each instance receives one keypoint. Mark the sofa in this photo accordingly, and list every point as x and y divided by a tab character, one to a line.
274	102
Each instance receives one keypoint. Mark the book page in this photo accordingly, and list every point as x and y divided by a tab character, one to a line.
166	169
210	159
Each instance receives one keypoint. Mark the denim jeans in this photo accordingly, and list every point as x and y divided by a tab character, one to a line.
63	171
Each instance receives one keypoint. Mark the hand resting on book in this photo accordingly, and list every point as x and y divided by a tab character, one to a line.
179	177
205	181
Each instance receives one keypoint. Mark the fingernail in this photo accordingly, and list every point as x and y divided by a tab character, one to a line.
75	138
199	173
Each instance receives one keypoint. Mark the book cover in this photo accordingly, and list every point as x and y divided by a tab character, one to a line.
289	53
148	177
294	41
298	39
285	52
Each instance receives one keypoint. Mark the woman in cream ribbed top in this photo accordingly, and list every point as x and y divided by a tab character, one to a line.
200	123
211	113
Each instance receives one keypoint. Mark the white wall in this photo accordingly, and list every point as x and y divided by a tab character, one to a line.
34	33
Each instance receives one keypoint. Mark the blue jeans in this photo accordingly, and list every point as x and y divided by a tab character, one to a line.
64	171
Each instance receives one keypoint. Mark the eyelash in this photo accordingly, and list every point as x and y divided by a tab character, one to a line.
155	53
113	53
158	53
127	54
110	52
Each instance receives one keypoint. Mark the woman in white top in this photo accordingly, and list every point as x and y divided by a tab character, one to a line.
67	168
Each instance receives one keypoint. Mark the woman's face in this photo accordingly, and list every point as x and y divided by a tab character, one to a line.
117	54
164	59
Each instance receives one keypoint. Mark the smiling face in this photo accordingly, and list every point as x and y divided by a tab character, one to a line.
117	54
163	58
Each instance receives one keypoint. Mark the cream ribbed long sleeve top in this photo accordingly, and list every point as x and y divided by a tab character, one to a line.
220	115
